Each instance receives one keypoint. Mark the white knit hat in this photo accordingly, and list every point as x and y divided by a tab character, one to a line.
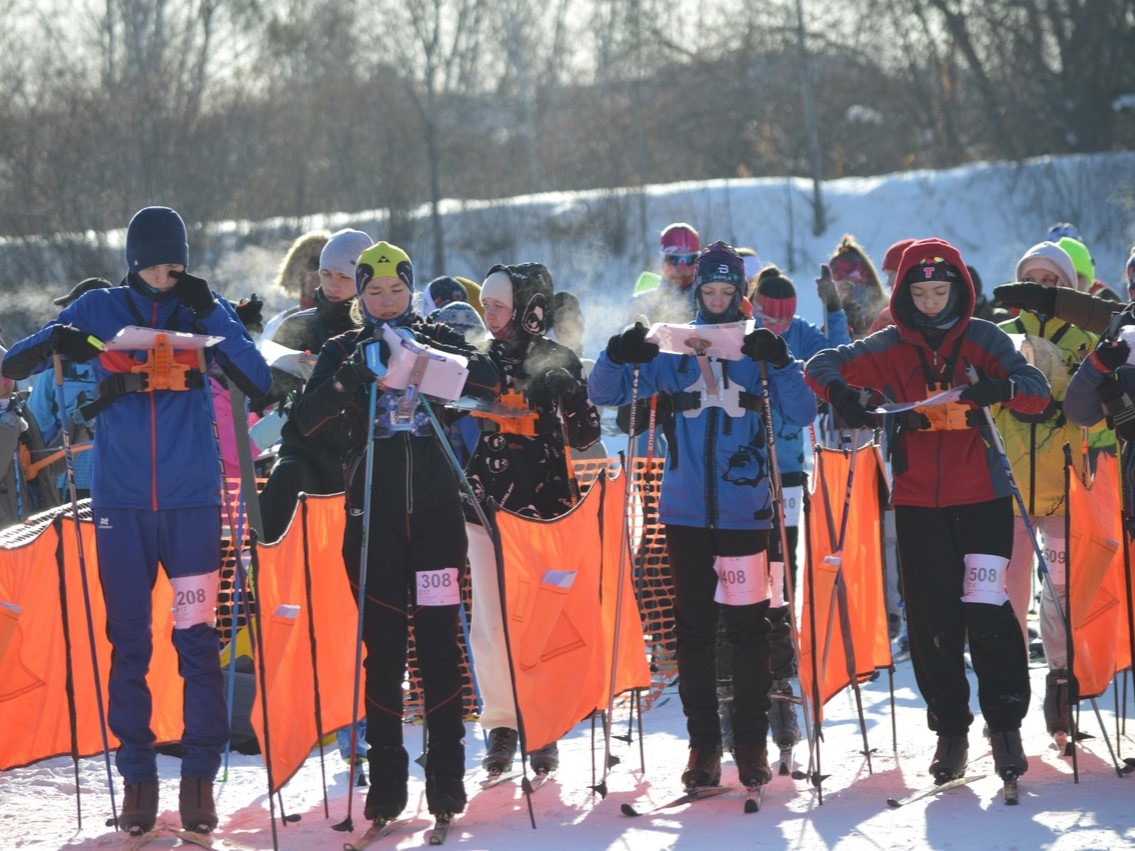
1049	255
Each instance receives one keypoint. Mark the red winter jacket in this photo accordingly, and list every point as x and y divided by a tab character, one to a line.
935	468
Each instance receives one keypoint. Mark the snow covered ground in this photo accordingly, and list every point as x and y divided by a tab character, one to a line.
38	809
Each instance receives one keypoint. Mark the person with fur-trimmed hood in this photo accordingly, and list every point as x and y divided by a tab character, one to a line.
716	506
525	473
856	282
309	464
298	276
416	526
952	494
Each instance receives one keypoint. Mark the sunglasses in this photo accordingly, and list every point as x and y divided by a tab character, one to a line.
681	259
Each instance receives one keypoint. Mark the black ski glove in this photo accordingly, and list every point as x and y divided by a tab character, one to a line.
250	312
826	289
562	386
846	402
73	343
194	293
354	373
988	391
761	344
631	346
1110	355
1026	295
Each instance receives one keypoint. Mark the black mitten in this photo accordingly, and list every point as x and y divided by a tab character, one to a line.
846	402
1026	295
631	346
761	344
194	293
73	344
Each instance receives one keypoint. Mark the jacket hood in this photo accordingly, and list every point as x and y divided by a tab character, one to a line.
902	305
1049	255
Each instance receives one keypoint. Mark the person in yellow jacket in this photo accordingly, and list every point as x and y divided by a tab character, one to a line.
1034	444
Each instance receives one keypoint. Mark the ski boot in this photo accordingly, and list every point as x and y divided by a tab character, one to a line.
389	773
950	758
704	766
195	803
502	749
1008	753
445	777
139	807
1057	712
752	764
545	760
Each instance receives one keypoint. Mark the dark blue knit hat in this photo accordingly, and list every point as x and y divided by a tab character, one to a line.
156	236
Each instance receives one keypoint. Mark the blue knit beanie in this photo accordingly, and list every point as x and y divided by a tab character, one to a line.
156	236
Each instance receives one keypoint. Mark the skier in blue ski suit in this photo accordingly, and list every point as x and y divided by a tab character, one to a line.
155	495
716	507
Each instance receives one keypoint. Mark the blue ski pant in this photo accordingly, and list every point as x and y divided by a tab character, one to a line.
131	543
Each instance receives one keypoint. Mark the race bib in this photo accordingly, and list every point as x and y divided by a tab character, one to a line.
793	500
1056	556
741	580
984	580
195	599
776	584
438	587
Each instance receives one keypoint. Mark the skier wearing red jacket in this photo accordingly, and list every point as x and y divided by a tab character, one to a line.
952	494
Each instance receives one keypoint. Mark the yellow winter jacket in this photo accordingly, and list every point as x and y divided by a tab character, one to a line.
1035	444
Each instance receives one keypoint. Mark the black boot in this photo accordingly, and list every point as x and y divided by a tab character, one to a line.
950	758
545	760
501	751
389	774
195	803
139	807
1008	753
782	721
445	777
704	766
1057	713
752	764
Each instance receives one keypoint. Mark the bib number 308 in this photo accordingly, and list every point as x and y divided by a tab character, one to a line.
438	587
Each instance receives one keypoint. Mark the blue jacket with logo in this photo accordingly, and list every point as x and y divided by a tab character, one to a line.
153	450
719	478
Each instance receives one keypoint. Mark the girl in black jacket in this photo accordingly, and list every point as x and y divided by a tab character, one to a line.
416	527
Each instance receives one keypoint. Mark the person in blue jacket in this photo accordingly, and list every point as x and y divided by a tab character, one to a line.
155	495
716	506
79	387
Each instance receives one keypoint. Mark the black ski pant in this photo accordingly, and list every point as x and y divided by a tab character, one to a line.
401	546
691	553
933	543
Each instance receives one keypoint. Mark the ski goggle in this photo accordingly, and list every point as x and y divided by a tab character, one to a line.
680	259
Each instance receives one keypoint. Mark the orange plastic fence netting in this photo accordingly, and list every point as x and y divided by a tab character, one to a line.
1097	601
826	632
561	580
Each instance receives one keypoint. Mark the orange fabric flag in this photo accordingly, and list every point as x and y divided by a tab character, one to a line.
1095	603
298	592
561	578
826	633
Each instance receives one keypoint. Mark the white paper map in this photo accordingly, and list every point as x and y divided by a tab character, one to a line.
719	341
136	337
291	361
445	373
942	398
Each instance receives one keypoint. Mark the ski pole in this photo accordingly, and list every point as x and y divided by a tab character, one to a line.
601	786
777	492
447	448
65	432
